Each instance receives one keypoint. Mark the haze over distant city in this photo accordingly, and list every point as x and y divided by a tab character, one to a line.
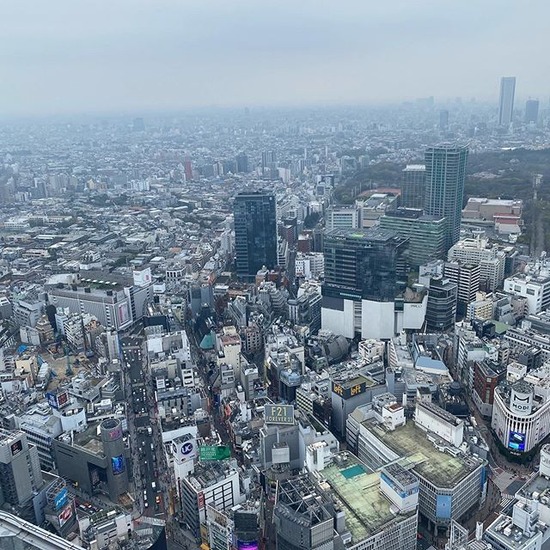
71	57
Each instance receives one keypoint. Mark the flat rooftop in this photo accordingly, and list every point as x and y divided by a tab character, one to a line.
441	469
367	510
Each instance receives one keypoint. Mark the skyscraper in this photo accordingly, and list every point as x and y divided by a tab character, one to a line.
242	163
506	102
531	111
445	175
365	270
255	233
20	475
413	186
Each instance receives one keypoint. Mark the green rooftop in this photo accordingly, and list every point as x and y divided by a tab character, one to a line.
358	490
441	469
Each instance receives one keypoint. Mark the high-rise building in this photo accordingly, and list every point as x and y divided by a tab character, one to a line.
255	233
413	186
506	102
531	111
20	474
466	276
441	310
426	234
490	259
445	175
242	163
269	159
365	270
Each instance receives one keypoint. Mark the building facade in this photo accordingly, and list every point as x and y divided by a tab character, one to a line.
255	233
445	176
412	188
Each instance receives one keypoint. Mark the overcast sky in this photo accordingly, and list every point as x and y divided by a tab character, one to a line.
80	56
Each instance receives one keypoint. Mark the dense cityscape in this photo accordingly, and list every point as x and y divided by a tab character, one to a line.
251	328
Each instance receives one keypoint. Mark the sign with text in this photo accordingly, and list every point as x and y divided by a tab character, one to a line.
279	414
214	452
349	391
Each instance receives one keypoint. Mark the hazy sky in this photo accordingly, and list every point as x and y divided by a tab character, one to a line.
61	56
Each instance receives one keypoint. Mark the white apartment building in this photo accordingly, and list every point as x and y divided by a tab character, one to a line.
477	251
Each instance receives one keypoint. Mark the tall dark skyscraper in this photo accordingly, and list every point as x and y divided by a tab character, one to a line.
365	271
242	163
506	102
531	111
413	186
445	175
255	233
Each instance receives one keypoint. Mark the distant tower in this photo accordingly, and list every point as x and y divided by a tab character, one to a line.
242	163
188	169
531	111
413	186
255	233
506	102
445	175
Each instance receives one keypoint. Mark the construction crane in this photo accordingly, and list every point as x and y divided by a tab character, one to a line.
68	370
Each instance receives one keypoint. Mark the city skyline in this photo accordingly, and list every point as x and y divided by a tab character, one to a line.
133	56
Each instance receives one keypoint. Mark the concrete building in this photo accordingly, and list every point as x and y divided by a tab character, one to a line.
20	475
343	218
96	463
452	482
490	259
18	534
521	411
535	288
441	306
413	186
466	277
215	483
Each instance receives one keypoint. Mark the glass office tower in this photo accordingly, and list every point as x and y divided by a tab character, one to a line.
445	176
255	233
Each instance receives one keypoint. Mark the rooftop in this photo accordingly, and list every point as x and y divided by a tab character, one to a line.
432	464
367	510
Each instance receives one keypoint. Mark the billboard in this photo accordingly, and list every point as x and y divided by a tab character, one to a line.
16	447
351	391
123	313
61	499
279	414
516	441
52	400
214	452
443	506
62	399
117	464
247	545
65	515
186	450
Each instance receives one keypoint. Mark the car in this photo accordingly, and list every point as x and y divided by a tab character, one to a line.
157	499
153	485
146	504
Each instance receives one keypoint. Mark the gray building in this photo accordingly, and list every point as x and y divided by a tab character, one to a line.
413	186
441	308
506	100
255	233
95	463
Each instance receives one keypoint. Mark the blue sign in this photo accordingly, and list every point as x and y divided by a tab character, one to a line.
117	463
61	499
52	400
187	448
443	506
516	441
